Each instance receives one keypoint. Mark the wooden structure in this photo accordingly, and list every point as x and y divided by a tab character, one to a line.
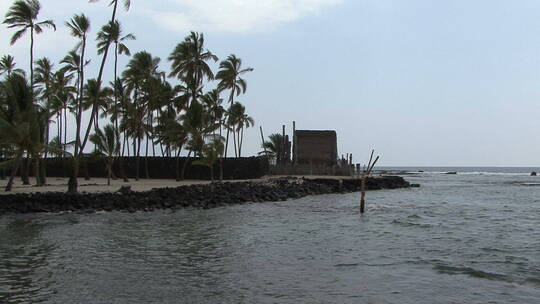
318	148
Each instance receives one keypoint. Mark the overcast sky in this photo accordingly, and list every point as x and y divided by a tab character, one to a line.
423	82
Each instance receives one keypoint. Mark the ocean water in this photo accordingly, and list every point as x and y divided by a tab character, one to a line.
472	237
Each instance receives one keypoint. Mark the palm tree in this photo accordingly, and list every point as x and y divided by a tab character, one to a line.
189	63
229	78
173	134
141	76
79	26
274	147
212	102
113	32
239	120
135	127
198	124
44	77
210	153
23	15
114	4
63	94
108	144
80	144
93	94
21	123
7	66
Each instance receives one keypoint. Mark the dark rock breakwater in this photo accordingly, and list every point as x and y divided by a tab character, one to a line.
201	196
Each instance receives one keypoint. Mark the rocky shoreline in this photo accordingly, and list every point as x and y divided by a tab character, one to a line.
201	196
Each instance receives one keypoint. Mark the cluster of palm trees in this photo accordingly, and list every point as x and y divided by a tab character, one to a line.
142	108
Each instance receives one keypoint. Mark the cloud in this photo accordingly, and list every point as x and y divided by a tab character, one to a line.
231	15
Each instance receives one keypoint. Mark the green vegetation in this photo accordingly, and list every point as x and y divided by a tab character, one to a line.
58	109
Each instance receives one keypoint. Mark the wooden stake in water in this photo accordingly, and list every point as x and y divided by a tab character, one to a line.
365	175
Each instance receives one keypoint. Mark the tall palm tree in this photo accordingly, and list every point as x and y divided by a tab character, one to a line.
79	27
63	94
240	120
134	124
113	32
108	144
23	15
212	102
189	63
81	143
229	78
44	78
141	76
7	66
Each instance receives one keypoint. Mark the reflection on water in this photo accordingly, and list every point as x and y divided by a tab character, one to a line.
460	239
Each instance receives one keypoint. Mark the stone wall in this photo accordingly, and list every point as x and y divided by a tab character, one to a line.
163	168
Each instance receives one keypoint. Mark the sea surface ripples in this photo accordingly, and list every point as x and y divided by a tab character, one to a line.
469	238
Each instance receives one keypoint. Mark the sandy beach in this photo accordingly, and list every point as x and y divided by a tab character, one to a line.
95	185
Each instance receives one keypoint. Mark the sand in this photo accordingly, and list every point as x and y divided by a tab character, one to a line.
94	185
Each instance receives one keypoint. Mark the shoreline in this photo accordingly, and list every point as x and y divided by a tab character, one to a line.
193	194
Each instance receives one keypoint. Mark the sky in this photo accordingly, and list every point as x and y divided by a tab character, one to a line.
423	82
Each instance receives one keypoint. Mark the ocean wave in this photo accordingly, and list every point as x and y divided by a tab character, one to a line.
452	270
486	173
411	224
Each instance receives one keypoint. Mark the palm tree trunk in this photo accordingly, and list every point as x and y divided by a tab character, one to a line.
43	172
234	141
9	185
73	182
121	162
221	169
86	173
25	171
32	61
211	173
221	156
3	171
185	165
241	142
36	171
128	146
177	169
115	109
138	155
79	147
146	159
65	130
231	100
109	172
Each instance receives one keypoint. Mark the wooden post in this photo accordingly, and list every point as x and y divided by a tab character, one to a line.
262	138
294	142
283	146
365	175
349	165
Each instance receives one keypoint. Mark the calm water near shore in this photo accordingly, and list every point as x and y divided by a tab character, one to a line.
473	237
